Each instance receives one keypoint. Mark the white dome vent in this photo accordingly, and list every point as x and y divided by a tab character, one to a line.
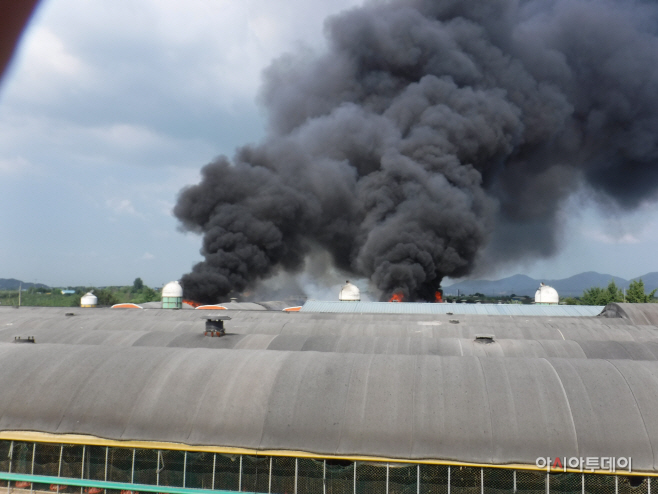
349	293
172	289
89	300
546	295
172	296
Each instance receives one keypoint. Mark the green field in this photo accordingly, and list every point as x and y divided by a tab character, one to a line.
52	297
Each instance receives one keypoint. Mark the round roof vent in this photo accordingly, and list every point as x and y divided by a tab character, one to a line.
172	289
88	299
546	295
349	293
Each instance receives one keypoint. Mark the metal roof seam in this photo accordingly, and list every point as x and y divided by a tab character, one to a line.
349	384
566	400
488	402
413	403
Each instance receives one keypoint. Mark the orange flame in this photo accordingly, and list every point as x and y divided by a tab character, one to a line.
397	297
438	297
192	303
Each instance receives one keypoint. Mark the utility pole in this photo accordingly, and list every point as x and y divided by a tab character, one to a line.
20	289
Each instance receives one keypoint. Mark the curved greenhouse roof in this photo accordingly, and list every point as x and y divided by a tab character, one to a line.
26	321
639	314
382	345
480	410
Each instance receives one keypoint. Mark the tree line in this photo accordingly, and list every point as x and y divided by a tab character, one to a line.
612	293
138	293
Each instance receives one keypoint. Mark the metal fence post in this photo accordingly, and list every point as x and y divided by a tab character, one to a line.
11	455
418	479
324	477
240	476
514	478
548	483
354	477
616	484
59	468
214	464
296	472
158	469
648	485
184	469
448	479
107	456
387	472
582	483
132	469
82	466
482	480
11	458
34	453
269	483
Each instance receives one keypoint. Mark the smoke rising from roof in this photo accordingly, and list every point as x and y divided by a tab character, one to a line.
429	131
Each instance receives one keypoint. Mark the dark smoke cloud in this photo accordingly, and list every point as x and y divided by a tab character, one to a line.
428	131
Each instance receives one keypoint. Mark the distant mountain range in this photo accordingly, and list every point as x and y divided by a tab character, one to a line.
520	284
12	284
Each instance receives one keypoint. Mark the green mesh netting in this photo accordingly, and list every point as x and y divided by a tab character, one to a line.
199	470
284	475
465	480
498	481
146	466
635	485
5	447
227	472
530	482
403	479
22	457
565	483
46	462
255	473
172	468
310	477
119	464
371	478
433	479
339	477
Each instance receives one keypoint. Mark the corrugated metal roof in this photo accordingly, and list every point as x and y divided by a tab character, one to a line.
481	309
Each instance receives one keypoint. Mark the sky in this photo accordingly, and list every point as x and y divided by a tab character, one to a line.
110	108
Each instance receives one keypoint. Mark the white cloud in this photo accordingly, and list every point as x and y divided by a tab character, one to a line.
47	68
148	256
121	206
610	238
16	166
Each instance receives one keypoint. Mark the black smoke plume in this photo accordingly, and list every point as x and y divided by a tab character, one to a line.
429	130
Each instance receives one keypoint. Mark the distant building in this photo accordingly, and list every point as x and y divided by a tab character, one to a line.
68	292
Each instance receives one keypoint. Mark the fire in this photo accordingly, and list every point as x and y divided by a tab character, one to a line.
192	303
397	297
438	296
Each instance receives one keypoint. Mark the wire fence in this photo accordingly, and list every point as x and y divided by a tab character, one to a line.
72	469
